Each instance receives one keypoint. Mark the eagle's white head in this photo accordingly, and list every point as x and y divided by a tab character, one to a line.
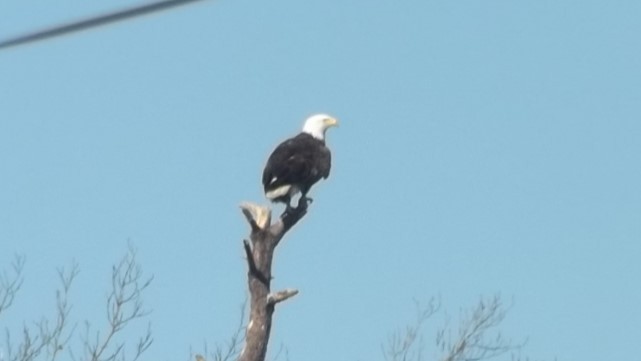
317	124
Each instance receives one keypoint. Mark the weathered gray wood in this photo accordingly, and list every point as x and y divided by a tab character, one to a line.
263	239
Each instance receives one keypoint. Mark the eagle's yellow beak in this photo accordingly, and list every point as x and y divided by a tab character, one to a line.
331	122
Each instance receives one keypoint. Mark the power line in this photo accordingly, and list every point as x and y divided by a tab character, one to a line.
92	22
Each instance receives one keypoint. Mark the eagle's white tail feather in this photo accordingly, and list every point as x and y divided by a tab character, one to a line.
278	192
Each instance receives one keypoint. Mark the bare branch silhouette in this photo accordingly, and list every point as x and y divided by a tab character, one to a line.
407	344
10	283
230	349
49	340
477	338
124	305
49	337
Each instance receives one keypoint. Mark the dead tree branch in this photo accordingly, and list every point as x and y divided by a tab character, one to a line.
124	305
47	339
230	349
10	283
407	344
476	339
259	250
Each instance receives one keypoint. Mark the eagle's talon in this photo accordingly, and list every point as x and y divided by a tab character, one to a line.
289	209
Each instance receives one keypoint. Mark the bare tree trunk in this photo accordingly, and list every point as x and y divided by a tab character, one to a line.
259	250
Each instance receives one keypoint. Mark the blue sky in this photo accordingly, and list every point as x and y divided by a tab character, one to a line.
485	147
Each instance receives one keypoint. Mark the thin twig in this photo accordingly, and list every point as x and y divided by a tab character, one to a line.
124	305
10	283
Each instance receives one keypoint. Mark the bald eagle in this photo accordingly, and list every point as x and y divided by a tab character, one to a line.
299	162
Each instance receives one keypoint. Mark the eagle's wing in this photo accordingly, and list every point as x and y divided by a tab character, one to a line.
325	163
289	163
